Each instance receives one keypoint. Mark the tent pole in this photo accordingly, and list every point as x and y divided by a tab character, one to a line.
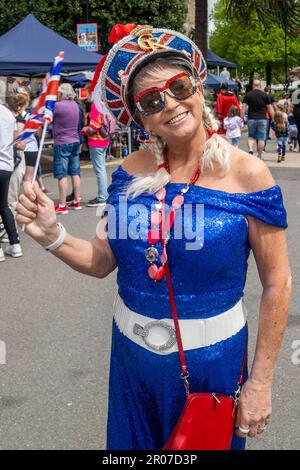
218	69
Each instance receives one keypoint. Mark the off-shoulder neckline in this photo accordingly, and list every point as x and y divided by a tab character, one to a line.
207	189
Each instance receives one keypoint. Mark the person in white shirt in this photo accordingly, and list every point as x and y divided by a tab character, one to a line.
284	102
225	75
7	135
233	124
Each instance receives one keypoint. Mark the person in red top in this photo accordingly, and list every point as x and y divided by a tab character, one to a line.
98	145
226	99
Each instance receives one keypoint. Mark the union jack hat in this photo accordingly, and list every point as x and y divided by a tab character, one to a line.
134	47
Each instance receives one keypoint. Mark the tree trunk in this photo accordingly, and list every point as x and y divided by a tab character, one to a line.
269	74
201	27
251	78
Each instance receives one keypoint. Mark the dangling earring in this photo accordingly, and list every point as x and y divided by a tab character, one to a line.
151	135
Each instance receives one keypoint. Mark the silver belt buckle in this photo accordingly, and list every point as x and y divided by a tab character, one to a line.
144	333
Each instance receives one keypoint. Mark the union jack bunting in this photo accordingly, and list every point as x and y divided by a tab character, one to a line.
43	110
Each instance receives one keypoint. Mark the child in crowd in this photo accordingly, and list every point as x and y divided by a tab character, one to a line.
233	124
281	128
293	133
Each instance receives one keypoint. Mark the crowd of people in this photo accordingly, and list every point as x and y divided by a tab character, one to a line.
261	113
71	125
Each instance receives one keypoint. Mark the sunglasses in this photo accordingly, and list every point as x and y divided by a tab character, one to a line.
152	100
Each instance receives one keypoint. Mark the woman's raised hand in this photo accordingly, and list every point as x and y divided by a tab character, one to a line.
36	211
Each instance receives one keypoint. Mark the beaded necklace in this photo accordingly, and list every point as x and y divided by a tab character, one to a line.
161	226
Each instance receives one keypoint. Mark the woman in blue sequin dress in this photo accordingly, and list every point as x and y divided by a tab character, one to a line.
240	209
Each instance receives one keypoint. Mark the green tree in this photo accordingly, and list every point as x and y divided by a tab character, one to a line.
253	47
56	14
62	15
284	13
164	14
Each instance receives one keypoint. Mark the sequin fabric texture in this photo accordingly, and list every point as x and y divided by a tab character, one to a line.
146	395
208	281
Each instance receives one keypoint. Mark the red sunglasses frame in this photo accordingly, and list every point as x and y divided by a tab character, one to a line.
162	90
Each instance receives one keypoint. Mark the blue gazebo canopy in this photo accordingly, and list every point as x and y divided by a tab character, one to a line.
214	82
30	47
213	60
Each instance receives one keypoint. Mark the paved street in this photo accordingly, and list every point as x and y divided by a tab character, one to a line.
56	326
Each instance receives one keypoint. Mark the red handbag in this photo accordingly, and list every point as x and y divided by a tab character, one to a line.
207	420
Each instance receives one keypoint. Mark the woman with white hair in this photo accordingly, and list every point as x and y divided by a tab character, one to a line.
66	150
181	220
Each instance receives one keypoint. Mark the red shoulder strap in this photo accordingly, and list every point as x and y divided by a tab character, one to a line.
184	369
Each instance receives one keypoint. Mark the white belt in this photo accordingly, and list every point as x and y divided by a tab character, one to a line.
159	335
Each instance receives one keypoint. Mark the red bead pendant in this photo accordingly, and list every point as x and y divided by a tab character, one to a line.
153	236
160	273
152	271
161	194
177	202
170	221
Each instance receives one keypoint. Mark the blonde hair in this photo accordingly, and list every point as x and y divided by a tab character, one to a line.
280	121
216	150
23	100
17	102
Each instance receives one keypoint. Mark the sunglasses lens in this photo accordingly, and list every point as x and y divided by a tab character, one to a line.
151	102
182	88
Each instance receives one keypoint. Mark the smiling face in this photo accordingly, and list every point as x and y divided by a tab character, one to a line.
179	119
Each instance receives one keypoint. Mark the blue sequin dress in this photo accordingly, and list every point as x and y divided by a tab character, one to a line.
146	395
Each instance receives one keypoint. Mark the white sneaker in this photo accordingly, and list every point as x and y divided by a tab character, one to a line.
14	250
2	257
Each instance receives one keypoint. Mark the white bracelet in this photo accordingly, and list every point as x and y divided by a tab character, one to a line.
59	241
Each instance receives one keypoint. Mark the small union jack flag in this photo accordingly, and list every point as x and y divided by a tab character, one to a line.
43	110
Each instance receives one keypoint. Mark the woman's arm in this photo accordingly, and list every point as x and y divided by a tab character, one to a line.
271	111
19	127
36	211
270	251
94	257
243	110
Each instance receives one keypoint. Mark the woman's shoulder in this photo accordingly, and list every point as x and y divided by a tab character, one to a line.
250	172
261	198
141	161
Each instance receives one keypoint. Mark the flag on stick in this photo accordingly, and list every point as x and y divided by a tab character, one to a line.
43	110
